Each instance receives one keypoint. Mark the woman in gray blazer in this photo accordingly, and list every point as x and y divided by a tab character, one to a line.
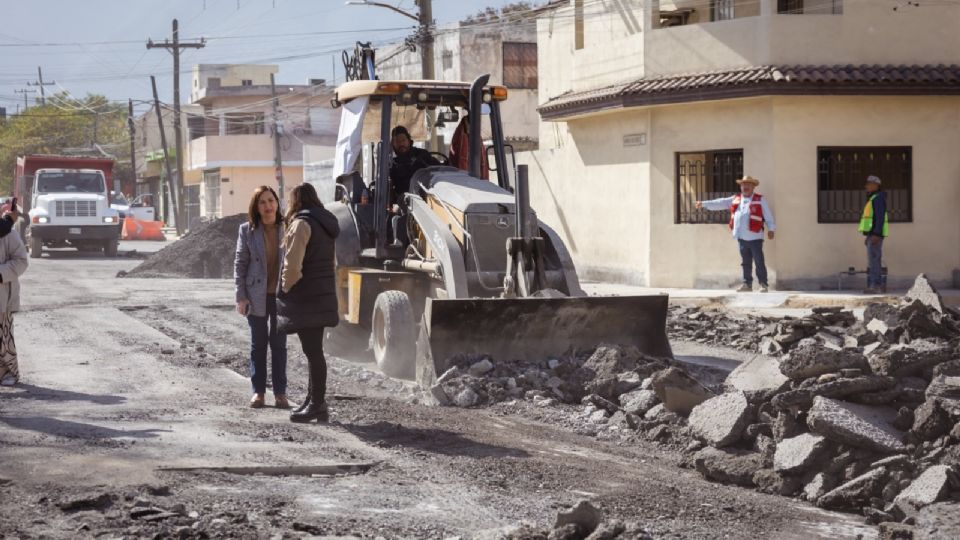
257	277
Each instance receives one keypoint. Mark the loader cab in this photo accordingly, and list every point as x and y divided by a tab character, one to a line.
371	109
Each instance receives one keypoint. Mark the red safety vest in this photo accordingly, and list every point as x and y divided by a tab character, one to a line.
756	213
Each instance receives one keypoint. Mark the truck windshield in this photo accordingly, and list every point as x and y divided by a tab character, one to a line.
69	182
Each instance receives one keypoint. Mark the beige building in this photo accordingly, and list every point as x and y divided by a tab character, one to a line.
231	148
651	106
151	174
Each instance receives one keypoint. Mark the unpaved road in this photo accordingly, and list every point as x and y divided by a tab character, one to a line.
124	378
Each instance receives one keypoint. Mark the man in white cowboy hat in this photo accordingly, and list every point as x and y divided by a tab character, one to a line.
749	213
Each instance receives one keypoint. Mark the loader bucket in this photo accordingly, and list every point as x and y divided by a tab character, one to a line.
536	328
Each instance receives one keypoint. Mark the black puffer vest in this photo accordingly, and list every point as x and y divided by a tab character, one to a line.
312	302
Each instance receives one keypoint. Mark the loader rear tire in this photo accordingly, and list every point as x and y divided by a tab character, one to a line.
394	335
36	247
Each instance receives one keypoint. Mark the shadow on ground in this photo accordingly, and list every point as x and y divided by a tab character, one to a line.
77	430
40	393
439	441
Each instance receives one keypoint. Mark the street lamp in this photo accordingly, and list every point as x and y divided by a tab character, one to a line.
425	17
381	4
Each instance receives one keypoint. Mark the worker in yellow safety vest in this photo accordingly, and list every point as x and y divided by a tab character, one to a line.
875	226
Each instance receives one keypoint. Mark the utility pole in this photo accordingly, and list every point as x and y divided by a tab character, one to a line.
424	18
174	47
39	82
425	31
277	162
166	161
25	91
131	125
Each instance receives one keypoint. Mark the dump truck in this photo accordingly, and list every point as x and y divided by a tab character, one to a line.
67	200
458	264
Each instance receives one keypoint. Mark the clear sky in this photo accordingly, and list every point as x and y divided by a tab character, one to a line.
99	46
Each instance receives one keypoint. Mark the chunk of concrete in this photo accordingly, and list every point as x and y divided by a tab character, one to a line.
679	392
861	426
903	360
727	466
930	487
836	388
584	515
720	421
812	361
856	492
638	401
930	420
482	367
946	381
818	486
796	454
938	521
760	374
926	293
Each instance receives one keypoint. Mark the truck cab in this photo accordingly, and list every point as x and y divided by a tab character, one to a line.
71	207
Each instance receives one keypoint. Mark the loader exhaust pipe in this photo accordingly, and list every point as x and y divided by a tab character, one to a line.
476	122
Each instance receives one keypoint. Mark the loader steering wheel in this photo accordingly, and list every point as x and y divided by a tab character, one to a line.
441	157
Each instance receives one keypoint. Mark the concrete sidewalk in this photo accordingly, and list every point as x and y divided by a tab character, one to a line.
760	301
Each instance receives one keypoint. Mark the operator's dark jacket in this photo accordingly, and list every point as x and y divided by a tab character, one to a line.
312	301
403	167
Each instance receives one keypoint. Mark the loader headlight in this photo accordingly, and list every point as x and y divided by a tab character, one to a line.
41	219
109	219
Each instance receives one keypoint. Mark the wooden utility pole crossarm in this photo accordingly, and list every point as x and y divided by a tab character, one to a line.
174	47
39	82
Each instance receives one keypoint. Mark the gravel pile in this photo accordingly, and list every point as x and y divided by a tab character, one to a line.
207	252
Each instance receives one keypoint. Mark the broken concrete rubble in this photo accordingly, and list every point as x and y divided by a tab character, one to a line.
811	361
727	466
721	420
928	488
679	392
861	426
638	401
795	455
759	375
856	492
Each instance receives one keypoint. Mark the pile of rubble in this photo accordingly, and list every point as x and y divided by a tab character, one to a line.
766	335
857	415
207	252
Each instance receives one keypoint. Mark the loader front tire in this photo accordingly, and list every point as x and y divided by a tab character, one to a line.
394	335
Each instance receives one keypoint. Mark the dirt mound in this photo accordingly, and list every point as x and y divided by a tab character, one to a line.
206	252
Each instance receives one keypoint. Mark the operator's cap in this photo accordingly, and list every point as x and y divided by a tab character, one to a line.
749	180
873	180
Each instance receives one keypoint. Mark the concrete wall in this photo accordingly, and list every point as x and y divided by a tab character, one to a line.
235	194
230	75
614	204
595	192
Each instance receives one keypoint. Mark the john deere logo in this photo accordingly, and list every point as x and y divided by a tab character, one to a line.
503	222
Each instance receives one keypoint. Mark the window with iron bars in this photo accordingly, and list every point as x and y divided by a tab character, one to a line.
701	176
843	170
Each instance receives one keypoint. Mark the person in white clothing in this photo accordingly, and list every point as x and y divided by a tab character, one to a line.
749	215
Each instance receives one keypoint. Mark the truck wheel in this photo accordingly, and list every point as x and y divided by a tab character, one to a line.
110	248
394	335
36	247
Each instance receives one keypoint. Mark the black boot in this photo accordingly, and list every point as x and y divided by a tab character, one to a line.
316	407
313	411
306	399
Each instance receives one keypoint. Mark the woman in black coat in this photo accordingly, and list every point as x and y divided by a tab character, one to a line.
307	303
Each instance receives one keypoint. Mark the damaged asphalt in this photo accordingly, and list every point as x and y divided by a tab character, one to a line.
124	379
